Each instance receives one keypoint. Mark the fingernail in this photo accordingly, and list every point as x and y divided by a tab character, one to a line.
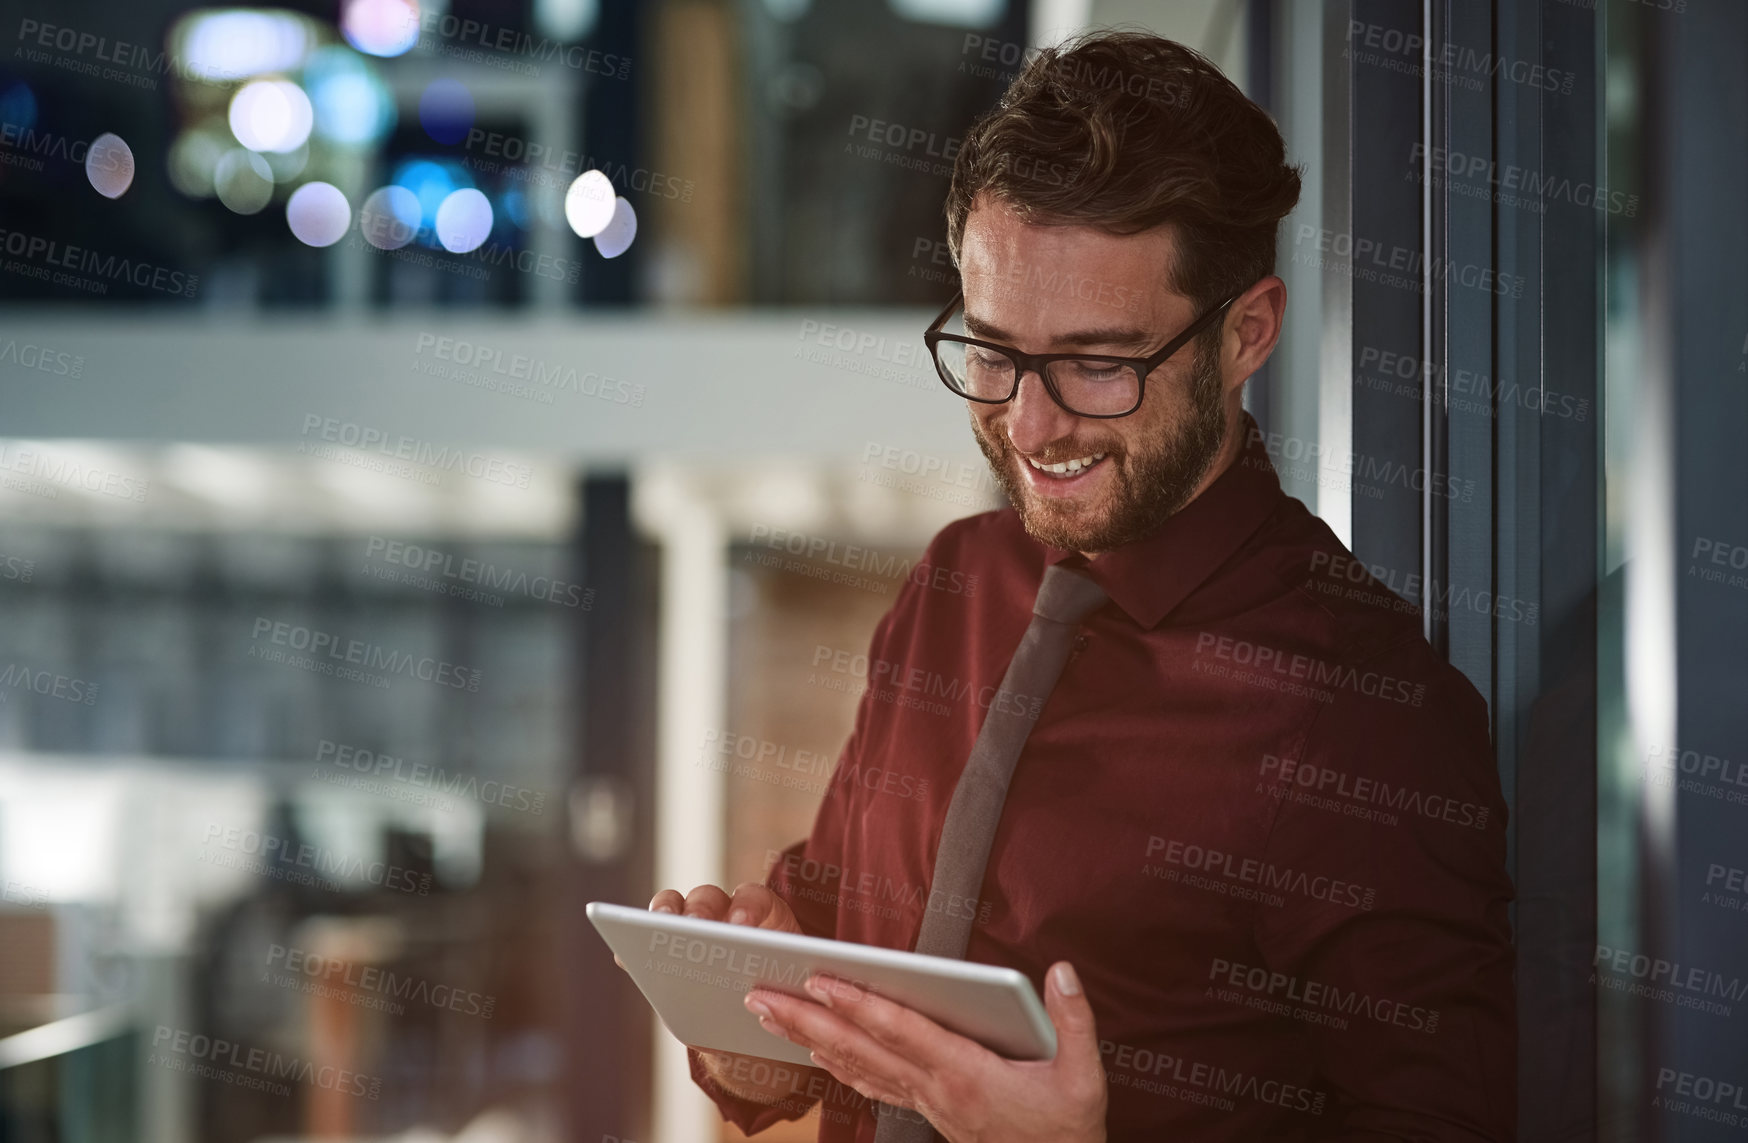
664	908
758	1006
771	1027
1066	982
738	917
817	989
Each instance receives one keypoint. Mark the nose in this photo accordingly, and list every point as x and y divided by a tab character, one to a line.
1034	419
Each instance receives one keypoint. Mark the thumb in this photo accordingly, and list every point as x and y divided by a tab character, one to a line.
1065	1000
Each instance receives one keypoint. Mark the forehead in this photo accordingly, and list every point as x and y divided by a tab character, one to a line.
1022	275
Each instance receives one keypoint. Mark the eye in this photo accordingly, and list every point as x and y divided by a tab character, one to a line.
1084	370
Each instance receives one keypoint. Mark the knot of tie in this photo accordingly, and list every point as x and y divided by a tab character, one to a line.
1067	595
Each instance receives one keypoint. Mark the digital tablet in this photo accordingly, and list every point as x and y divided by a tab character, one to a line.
696	974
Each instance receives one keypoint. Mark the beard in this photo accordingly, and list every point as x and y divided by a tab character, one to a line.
1149	485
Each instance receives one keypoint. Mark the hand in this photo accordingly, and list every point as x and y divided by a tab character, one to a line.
892	1053
751	904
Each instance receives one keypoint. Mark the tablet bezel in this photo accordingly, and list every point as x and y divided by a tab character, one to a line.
992	1004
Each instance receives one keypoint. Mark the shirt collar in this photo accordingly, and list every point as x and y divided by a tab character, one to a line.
1151	576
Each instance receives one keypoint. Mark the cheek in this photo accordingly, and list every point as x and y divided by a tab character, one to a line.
1158	415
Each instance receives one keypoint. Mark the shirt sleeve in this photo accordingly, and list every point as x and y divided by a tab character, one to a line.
1395	815
749	1115
806	874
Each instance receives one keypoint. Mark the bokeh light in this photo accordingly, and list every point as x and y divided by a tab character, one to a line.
567	20
788	11
464	221
513	201
953	13
109	164
352	105
588	204
243	181
616	238
446	110
318	214
287	165
271	115
194	158
235	44
380	27
390	218
430	184
432	181
18	107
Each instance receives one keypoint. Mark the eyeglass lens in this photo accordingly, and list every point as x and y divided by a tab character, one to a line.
1085	385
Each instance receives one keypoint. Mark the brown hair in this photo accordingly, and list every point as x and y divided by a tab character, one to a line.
1125	131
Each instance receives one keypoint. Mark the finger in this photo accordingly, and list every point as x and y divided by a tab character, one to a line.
856	1081
1070	1011
833	1034
668	900
617	961
1077	1040
750	904
755	904
903	1031
706	902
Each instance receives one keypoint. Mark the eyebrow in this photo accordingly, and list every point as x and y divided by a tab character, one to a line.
1118	336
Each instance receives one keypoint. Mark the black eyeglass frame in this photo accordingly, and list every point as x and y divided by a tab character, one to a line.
1035	362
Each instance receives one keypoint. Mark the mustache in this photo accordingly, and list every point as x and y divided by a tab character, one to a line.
1056	454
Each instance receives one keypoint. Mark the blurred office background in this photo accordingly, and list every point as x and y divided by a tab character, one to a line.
408	535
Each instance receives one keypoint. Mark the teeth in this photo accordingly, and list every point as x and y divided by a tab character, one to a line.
1068	466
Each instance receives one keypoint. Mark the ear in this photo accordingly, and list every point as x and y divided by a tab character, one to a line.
1253	325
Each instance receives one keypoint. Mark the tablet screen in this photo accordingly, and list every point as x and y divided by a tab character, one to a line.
695	974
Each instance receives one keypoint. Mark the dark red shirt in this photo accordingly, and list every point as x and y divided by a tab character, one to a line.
1258	813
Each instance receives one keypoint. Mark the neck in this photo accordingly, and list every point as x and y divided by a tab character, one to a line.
1231	446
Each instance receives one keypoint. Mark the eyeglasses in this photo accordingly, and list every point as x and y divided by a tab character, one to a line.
1087	385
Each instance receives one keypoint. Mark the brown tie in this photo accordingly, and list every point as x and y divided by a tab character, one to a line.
1064	599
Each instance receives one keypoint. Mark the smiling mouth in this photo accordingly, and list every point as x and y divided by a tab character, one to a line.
1067	468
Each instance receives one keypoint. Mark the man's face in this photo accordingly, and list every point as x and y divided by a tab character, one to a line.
1068	289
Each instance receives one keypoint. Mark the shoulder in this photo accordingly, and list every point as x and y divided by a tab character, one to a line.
1398	710
1395	761
1301	575
1359	627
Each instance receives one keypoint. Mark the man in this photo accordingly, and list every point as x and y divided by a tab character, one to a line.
1252	849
